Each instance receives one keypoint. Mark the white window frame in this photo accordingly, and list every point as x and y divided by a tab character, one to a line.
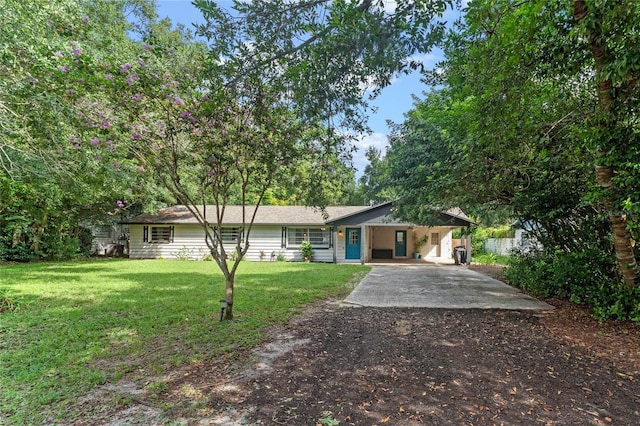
318	236
230	234
158	234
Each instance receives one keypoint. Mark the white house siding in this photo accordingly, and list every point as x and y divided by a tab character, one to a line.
268	240
341	245
188	240
265	244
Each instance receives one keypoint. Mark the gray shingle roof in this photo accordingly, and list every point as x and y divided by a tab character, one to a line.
267	215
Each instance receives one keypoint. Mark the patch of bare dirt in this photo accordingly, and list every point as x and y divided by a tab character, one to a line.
376	366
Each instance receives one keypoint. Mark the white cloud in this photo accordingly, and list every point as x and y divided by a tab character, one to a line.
390	6
377	140
426	58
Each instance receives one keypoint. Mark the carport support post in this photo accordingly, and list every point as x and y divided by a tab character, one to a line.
468	244
364	244
334	237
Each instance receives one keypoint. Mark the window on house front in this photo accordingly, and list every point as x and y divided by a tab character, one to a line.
159	234
103	231
230	235
318	237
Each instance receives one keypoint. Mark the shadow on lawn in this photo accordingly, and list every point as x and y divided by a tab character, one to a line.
84	324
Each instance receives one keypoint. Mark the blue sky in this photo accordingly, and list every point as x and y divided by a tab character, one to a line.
394	101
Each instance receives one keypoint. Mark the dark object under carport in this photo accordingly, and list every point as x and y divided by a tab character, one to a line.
382	254
460	255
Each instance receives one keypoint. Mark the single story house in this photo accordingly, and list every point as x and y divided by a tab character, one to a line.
349	234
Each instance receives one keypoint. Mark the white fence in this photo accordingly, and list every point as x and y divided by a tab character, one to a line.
504	246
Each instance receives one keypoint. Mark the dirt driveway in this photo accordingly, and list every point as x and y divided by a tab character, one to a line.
417	366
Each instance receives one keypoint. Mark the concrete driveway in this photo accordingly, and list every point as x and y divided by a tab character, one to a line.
437	286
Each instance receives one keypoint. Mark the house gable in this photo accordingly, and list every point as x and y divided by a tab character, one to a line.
382	214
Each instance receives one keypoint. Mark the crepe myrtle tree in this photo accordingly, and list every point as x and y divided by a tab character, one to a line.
225	127
202	144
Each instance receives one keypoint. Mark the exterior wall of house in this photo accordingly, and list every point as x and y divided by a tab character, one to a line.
440	248
341	241
265	244
383	238
187	241
107	237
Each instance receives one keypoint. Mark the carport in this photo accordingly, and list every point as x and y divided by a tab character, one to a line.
375	233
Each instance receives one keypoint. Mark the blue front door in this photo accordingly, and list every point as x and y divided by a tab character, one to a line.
352	247
401	243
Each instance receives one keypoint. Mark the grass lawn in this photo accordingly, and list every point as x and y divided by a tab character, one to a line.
81	324
484	258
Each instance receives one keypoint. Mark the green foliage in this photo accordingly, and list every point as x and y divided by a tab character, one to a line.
478	237
418	243
534	95
374	185
8	303
307	250
501	232
327	419
207	257
586	277
49	184
84	323
184	253
484	258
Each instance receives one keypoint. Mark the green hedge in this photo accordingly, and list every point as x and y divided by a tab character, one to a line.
587	277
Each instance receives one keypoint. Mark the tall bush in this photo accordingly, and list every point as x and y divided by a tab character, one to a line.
587	277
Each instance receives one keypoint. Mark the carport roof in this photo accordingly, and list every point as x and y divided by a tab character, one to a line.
382	214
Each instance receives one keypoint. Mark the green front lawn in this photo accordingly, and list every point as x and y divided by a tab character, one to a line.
80	324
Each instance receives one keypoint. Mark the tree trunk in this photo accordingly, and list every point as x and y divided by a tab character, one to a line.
604	173
228	312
